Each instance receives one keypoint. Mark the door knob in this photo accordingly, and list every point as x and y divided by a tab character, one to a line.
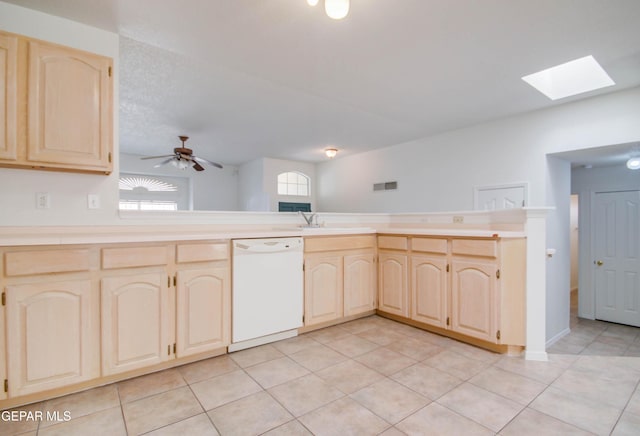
599	262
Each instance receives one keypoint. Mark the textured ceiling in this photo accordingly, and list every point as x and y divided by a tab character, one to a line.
278	78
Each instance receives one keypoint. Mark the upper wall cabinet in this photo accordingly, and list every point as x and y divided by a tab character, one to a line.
8	97
66	124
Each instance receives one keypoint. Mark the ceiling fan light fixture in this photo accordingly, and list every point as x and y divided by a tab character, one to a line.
634	163
336	9
181	164
331	152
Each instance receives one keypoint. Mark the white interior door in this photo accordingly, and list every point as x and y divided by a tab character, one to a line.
617	259
500	197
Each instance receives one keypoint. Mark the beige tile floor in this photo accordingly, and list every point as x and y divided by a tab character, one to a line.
368	377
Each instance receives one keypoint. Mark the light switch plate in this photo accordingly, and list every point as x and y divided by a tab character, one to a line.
43	200
93	201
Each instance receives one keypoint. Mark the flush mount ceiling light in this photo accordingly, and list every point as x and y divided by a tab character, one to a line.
571	78
336	9
331	152
634	163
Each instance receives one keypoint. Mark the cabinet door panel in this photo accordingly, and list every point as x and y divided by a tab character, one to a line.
323	289
52	334
392	284
203	308
134	322
8	97
473	299
359	283
69	116
429	286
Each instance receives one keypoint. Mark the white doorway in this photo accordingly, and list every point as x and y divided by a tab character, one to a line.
616	239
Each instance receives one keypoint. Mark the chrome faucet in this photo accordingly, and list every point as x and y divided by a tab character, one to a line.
309	219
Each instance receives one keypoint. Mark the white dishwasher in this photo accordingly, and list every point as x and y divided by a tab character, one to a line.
268	286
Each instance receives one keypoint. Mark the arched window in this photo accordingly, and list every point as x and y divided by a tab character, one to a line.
293	183
142	192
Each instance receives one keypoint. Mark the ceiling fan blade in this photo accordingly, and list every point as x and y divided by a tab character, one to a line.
201	160
157	157
197	166
164	162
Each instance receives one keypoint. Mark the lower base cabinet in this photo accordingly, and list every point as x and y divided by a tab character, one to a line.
323	288
429	285
474	301
339	278
53	333
392	283
135	322
359	283
203	309
471	289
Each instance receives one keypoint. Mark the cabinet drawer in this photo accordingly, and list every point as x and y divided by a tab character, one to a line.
393	242
21	263
339	243
202	252
475	247
126	257
429	245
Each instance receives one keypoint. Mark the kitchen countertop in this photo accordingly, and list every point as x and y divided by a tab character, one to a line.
470	233
31	236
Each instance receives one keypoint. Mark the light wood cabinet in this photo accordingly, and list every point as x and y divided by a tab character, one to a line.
203	310
8	97
323	288
359	283
392	283
66	124
135	322
430	289
83	315
340	278
473	299
470	288
52	335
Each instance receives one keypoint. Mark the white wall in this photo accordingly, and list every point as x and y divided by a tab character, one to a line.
251	187
586	182
212	189
438	173
273	167
558	190
258	183
68	191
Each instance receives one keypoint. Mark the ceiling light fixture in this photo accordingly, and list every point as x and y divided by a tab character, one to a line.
571	78
336	9
634	163
331	152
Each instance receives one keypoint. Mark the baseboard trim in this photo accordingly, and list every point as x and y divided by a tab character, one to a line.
250	343
557	337
539	356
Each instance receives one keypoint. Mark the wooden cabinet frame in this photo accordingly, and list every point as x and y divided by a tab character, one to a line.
472	289
339	281
132	308
56	108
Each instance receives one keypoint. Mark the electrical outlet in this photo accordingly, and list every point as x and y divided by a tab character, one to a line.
457	219
93	201
43	200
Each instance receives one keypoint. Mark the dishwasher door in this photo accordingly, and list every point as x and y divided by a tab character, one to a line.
268	287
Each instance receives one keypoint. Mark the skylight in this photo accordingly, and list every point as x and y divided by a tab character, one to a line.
571	78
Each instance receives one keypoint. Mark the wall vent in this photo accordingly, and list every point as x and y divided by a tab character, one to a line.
385	186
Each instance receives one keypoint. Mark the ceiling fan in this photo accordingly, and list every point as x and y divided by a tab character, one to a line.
183	157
